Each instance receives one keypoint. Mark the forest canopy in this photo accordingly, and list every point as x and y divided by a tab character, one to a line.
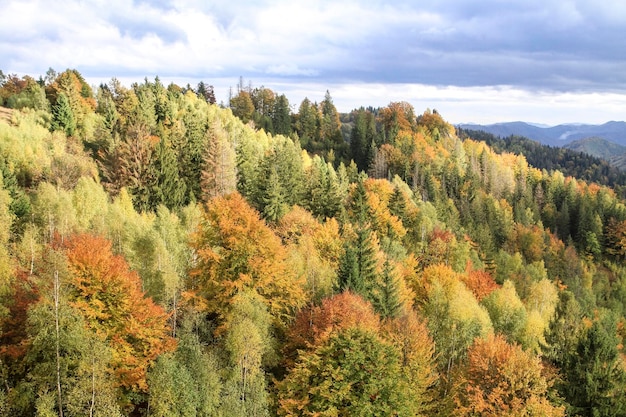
162	255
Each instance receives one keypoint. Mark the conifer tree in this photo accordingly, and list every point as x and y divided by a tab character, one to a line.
307	125
219	173
169	189
281	116
358	268
386	293
62	116
594	373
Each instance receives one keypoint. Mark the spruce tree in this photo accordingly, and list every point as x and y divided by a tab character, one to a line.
62	116
594	373
169	189
281	116
386	294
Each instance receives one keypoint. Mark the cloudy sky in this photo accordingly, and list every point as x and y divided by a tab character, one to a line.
485	61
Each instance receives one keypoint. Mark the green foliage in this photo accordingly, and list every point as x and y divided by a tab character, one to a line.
594	373
63	116
354	373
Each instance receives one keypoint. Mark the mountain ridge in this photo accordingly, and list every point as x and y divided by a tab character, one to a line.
559	135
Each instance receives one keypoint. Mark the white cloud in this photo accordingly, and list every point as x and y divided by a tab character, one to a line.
365	53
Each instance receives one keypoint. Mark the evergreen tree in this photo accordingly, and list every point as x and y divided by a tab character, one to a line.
330	126
386	293
206	92
62	116
358	267
169	188
272	196
307	125
281	116
595	376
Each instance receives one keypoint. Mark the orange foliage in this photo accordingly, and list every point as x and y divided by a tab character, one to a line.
109	296
315	324
13	329
410	334
236	251
400	113
296	223
480	283
500	379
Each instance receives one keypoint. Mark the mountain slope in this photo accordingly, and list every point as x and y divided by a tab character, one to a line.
597	147
556	135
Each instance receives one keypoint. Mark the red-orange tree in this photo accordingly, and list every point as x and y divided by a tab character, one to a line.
315	324
109	296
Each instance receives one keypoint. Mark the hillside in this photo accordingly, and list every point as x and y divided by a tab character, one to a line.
571	162
559	135
613	153
162	255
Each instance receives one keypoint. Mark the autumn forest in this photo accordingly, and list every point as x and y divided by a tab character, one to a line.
165	255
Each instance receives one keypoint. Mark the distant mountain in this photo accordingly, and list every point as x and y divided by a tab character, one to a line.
556	135
598	147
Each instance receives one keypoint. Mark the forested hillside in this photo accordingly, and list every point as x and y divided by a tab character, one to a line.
570	161
164	256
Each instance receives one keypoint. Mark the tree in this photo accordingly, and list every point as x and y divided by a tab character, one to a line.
63	116
362	139
507	312
500	379
307	125
354	373
109	297
358	267
409	334
219	173
595	379
242	106
237	251
206	92
281	116
68	366
330	125
248	343
314	324
386	293
168	189
454	316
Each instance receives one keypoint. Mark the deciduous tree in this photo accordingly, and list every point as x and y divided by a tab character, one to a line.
500	379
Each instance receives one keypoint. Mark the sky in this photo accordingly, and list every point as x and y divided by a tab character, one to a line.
481	61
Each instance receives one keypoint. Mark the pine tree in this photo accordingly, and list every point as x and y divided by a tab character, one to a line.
358	141
307	125
272	197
